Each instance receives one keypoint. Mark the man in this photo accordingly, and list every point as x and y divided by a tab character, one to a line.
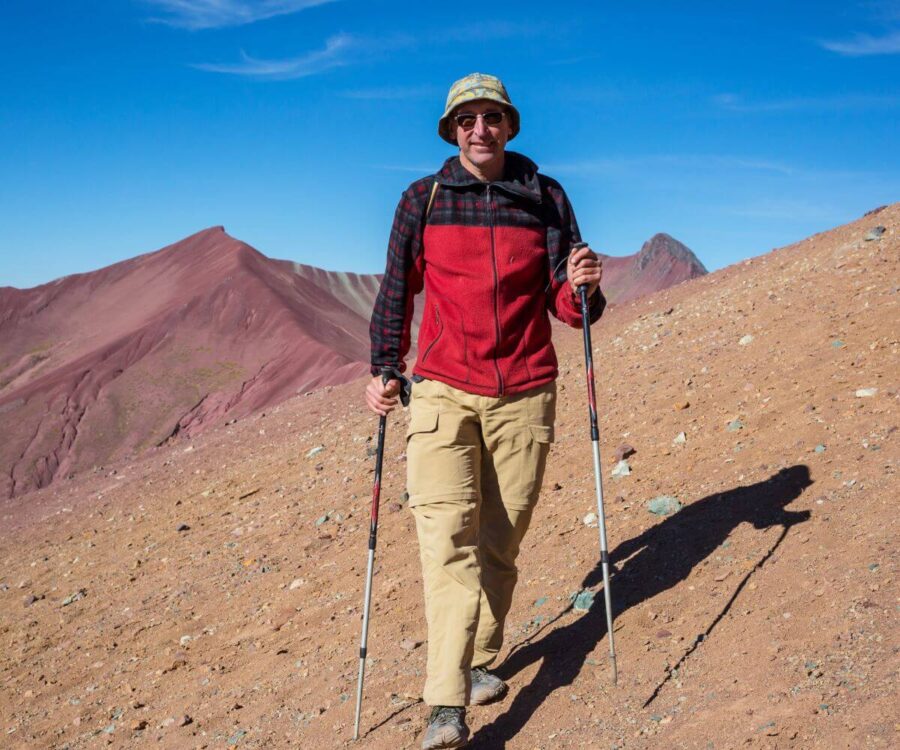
489	240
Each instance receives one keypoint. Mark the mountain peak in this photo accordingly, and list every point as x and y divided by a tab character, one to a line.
662	245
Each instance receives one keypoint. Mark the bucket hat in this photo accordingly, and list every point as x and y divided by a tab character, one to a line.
477	86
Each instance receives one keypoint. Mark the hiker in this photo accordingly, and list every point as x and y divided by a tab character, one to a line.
488	238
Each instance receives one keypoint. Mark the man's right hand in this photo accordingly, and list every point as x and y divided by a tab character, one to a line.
381	397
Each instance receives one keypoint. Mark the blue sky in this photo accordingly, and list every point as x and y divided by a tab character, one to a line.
736	127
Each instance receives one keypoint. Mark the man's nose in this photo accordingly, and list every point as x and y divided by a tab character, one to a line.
481	128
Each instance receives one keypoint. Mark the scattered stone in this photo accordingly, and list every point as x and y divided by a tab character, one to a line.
582	600
185	720
664	505
72	598
663	633
866	392
139	725
556	487
682	405
540	602
183	527
735	425
394	507
744	340
819	448
185	640
837	344
679	439
322	519
30	599
296	584
622	469
875	233
315	451
590	520
408	644
624	451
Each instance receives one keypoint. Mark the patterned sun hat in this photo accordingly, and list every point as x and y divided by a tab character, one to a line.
477	86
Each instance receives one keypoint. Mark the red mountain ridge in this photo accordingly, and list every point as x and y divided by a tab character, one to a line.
100	365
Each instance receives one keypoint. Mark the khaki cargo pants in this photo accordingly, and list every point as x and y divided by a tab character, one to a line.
475	466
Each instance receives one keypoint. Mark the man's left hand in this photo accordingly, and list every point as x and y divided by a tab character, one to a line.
584	267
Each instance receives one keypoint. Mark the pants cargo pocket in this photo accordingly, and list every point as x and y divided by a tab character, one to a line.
541	433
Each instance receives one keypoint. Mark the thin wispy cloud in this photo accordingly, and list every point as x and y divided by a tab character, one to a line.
214	14
339	50
885	13
839	103
347	49
862	45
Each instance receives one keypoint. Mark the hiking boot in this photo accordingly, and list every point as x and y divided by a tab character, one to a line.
486	687
446	728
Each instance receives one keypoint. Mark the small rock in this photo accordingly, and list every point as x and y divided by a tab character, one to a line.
622	469
408	644
819	448
624	451
321	519
837	344
582	600
185	720
540	602
682	405
735	425
139	725
590	520
874	233
394	507
296	584
663	633
866	392
664	505
168	722
29	600
183	527
72	598
744	340
185	640
679	439
556	487
315	451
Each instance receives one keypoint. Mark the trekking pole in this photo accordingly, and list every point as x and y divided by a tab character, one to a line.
598	476
387	374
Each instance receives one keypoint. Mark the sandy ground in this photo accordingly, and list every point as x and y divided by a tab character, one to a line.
209	594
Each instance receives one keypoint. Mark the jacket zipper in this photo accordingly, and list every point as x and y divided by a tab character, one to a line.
490	207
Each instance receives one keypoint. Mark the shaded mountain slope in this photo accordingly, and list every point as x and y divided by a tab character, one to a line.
221	577
98	365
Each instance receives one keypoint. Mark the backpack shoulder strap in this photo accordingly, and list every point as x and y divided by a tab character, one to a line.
434	189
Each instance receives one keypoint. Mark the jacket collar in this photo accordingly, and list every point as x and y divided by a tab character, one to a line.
520	176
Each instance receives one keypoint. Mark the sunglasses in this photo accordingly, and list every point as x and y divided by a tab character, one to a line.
466	120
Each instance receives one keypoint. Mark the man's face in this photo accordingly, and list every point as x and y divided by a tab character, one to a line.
481	144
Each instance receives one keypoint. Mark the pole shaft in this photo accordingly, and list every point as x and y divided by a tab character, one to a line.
370	569
598	474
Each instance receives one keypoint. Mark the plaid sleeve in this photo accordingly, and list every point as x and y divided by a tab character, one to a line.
562	302
389	329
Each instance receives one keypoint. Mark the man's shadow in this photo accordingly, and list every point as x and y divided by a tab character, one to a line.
651	563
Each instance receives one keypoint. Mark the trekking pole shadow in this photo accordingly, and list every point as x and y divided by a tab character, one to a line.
651	563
